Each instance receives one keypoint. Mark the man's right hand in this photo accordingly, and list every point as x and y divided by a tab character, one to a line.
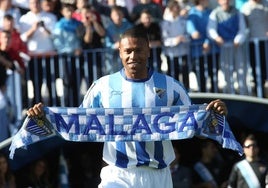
36	110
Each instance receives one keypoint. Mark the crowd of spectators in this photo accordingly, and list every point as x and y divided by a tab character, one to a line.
176	28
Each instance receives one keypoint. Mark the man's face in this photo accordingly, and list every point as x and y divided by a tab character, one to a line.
251	148
34	6
67	12
224	4
134	53
5	40
117	17
8	24
145	19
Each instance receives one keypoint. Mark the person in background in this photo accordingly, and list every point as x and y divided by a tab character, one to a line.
92	34
5	64
153	30
154	9
185	6
36	27
105	10
77	14
7	178
66	36
67	41
4	126
16	45
252	171
181	174
176	44
227	28
208	170
93	30
118	25
201	55
257	10
133	163
6	7
38	175
51	6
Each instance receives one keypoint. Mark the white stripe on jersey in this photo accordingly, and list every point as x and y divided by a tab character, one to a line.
114	91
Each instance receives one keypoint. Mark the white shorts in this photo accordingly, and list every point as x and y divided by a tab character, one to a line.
138	177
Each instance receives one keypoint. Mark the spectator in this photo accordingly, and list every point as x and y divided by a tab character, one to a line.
66	36
256	15
185	6
67	41
5	64
105	10
38	175
226	27
77	14
181	174
93	31
36	27
7	8
51	6
4	126
208	169
16	45
7	178
153	8
118	25
92	35
200	44
252	171
153	30
176	44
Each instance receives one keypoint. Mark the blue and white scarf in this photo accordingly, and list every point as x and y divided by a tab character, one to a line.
126	124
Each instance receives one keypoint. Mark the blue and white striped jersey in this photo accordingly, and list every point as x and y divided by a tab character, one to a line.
116	91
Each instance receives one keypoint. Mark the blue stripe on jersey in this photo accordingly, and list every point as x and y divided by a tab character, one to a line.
121	157
159	154
115	89
142	156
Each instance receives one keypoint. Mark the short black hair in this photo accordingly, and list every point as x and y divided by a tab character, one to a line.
135	32
8	17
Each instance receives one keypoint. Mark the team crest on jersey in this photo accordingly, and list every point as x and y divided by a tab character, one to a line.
39	126
160	92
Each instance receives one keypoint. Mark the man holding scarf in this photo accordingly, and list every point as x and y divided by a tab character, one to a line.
136	164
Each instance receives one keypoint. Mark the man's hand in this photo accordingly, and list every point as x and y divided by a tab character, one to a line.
36	110
218	106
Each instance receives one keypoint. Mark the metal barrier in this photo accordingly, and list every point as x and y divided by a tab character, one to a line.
62	80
